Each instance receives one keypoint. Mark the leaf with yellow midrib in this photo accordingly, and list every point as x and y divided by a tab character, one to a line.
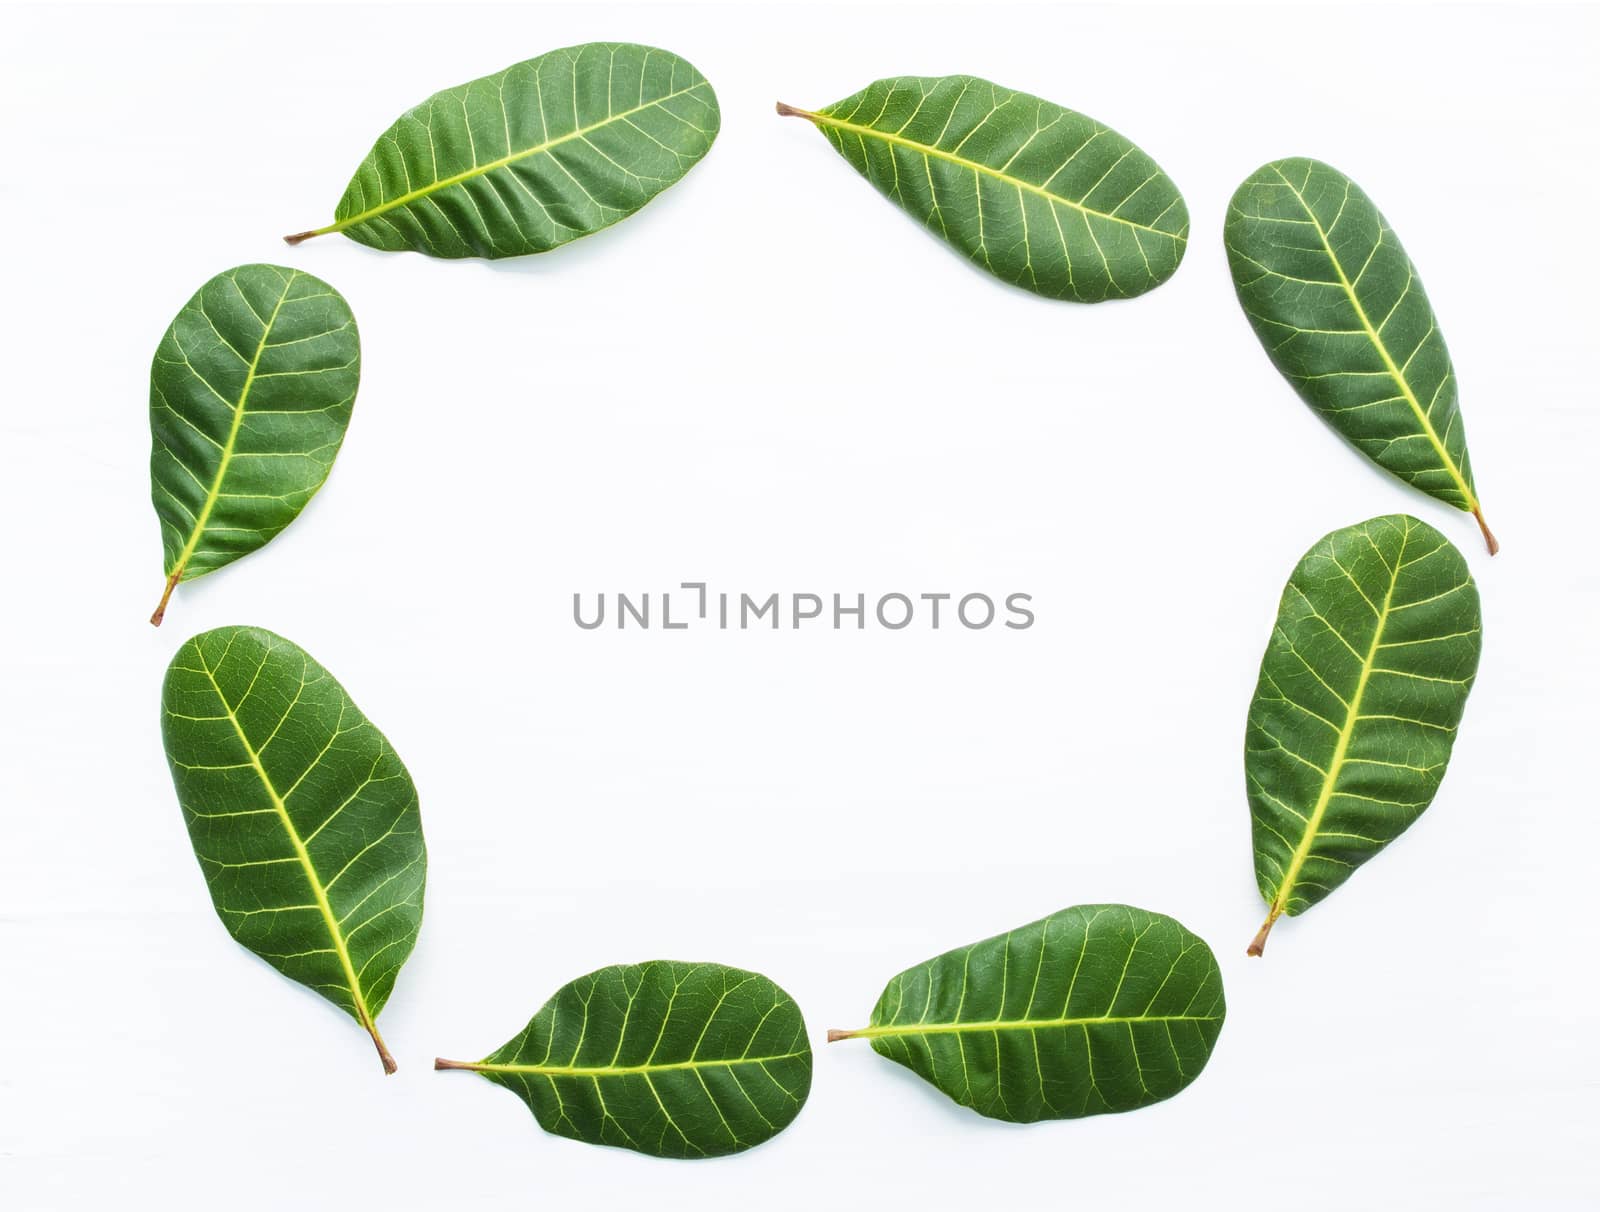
1095	1009
532	157
251	392
1038	195
1355	713
1340	310
303	818
666	1058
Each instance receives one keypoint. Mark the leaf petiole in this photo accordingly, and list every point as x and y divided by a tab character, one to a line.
384	1054
166	596
1488	535
1259	943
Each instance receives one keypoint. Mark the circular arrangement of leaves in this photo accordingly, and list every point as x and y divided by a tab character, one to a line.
306	823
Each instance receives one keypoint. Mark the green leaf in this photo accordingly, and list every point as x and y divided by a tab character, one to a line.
670	1059
1361	690
525	160
1341	312
303	818
1094	1009
250	394
1040	196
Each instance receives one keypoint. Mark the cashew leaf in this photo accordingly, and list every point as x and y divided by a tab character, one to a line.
1361	692
302	815
532	157
250	395
1040	196
1341	312
1098	1008
671	1059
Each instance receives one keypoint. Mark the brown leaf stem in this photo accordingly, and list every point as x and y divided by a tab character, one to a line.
789	111
1259	943
383	1049
1488	535
161	610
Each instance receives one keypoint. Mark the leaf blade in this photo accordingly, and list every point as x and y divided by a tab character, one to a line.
604	1062
302	817
1361	691
251	392
996	1045
1075	245
1336	311
617	123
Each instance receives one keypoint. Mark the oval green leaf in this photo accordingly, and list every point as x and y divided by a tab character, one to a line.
1361	691
1095	1009
303	818
250	395
1040	196
670	1059
1341	312
532	157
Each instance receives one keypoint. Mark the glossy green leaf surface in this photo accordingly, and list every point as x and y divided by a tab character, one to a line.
532	157
1361	691
1040	196
250	394
303	818
1094	1009
1341	312
670	1059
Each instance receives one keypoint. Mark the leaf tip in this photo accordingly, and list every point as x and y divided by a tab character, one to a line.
1488	535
